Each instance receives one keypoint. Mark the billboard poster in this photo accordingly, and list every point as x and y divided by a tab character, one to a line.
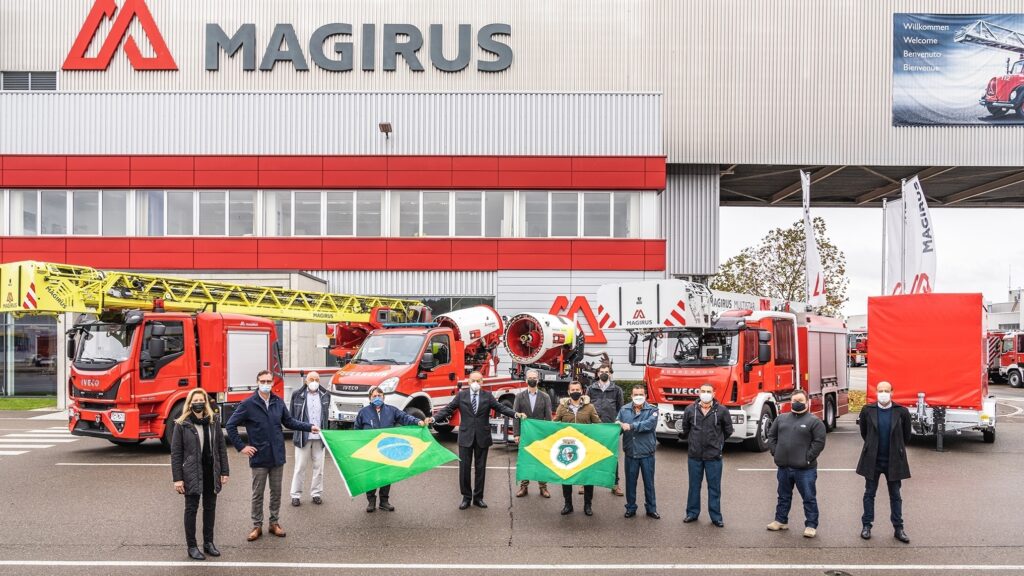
958	69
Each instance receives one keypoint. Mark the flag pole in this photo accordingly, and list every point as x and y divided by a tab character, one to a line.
884	255
903	234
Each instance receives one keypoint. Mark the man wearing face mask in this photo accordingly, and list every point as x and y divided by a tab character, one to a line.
706	425
474	405
381	415
606	397
638	421
535	403
796	440
263	414
310	404
885	428
577	409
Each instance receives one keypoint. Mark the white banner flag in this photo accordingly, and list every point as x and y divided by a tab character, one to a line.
815	274
893	216
920	240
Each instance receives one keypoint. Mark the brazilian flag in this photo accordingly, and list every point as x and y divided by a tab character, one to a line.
560	453
369	459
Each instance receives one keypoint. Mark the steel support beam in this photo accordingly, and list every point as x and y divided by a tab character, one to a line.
883	191
1010	180
793	188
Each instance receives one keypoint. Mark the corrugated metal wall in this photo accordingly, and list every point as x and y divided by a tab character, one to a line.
417	284
338	123
689	212
769	82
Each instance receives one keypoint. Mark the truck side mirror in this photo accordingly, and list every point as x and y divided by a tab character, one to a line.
764	353
632	349
71	347
427	361
157	348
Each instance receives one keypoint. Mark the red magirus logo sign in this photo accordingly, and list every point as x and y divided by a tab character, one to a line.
130	11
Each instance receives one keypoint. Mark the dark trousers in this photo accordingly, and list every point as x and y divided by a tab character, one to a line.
385	492
636	467
209	498
588	494
698	470
895	500
804	480
472	456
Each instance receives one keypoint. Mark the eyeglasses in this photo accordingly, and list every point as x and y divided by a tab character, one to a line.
265	381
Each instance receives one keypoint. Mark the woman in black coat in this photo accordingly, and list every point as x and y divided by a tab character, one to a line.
199	467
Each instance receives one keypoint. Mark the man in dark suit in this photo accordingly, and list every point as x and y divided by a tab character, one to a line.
474	406
885	428
535	403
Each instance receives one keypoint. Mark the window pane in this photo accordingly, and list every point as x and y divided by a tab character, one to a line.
149	209
24	212
278	211
368	213
85	212
467	213
564	214
307	213
535	214
54	212
339	213
624	227
435	214
212	212
408	213
115	212
179	213
241	212
498	214
597	213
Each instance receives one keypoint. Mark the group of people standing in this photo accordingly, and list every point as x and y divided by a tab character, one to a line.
200	467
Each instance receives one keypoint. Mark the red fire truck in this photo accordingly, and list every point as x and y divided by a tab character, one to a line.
1006	92
755	359
1006	357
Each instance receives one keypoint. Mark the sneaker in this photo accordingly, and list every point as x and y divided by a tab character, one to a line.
317	500
776	526
810	532
296	502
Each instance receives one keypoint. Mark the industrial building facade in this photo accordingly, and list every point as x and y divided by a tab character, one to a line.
517	154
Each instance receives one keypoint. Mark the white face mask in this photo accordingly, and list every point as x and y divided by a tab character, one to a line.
884	397
265	388
313	385
639	400
706	397
474	386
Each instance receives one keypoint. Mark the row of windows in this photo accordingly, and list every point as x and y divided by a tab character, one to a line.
403	213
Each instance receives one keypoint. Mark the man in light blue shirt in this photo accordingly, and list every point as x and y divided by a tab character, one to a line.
309	404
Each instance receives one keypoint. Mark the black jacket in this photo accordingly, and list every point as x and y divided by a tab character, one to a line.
474	428
299	398
706	434
796	440
542	409
187	456
899	435
263	425
607	402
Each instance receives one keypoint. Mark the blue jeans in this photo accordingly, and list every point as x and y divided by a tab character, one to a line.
698	470
804	480
635	467
895	500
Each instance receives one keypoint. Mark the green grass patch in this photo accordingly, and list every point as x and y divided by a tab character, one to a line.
28	403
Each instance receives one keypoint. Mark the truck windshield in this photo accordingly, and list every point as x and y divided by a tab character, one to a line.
389	349
103	344
1018	67
687	348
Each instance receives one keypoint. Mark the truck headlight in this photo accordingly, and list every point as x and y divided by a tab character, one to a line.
388	386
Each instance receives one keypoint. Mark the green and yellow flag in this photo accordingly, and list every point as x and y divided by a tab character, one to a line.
559	453
369	459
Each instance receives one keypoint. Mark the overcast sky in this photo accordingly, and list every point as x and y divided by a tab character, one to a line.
974	247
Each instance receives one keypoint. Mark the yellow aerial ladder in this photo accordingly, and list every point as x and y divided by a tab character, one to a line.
30	287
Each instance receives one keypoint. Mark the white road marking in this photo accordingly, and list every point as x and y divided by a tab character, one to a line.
29	446
108	464
964	568
776	469
11	452
34	438
49	431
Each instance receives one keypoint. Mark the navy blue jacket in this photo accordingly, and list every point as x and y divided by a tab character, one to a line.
389	418
639	440
263	425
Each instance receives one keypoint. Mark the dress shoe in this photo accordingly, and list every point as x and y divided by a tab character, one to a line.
544	492
523	491
617	491
654	515
276	530
386	506
195	554
211	549
588	510
465	504
567	509
318	500
900	535
630	513
718	523
371	505
296	502
479	503
257	531
865	533
689	519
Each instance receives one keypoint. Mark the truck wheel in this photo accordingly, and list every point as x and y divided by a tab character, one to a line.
169	425
830	414
416	413
988	436
1014	379
759	443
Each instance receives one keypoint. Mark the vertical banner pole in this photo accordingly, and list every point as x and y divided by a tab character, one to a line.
903	234
884	254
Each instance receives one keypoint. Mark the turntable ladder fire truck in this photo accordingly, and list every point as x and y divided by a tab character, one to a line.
1006	92
146	339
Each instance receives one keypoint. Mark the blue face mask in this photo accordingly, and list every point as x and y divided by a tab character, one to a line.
377	401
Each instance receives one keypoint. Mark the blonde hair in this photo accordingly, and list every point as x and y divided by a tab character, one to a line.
187	410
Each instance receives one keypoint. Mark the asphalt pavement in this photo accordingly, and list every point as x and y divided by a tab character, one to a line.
84	506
